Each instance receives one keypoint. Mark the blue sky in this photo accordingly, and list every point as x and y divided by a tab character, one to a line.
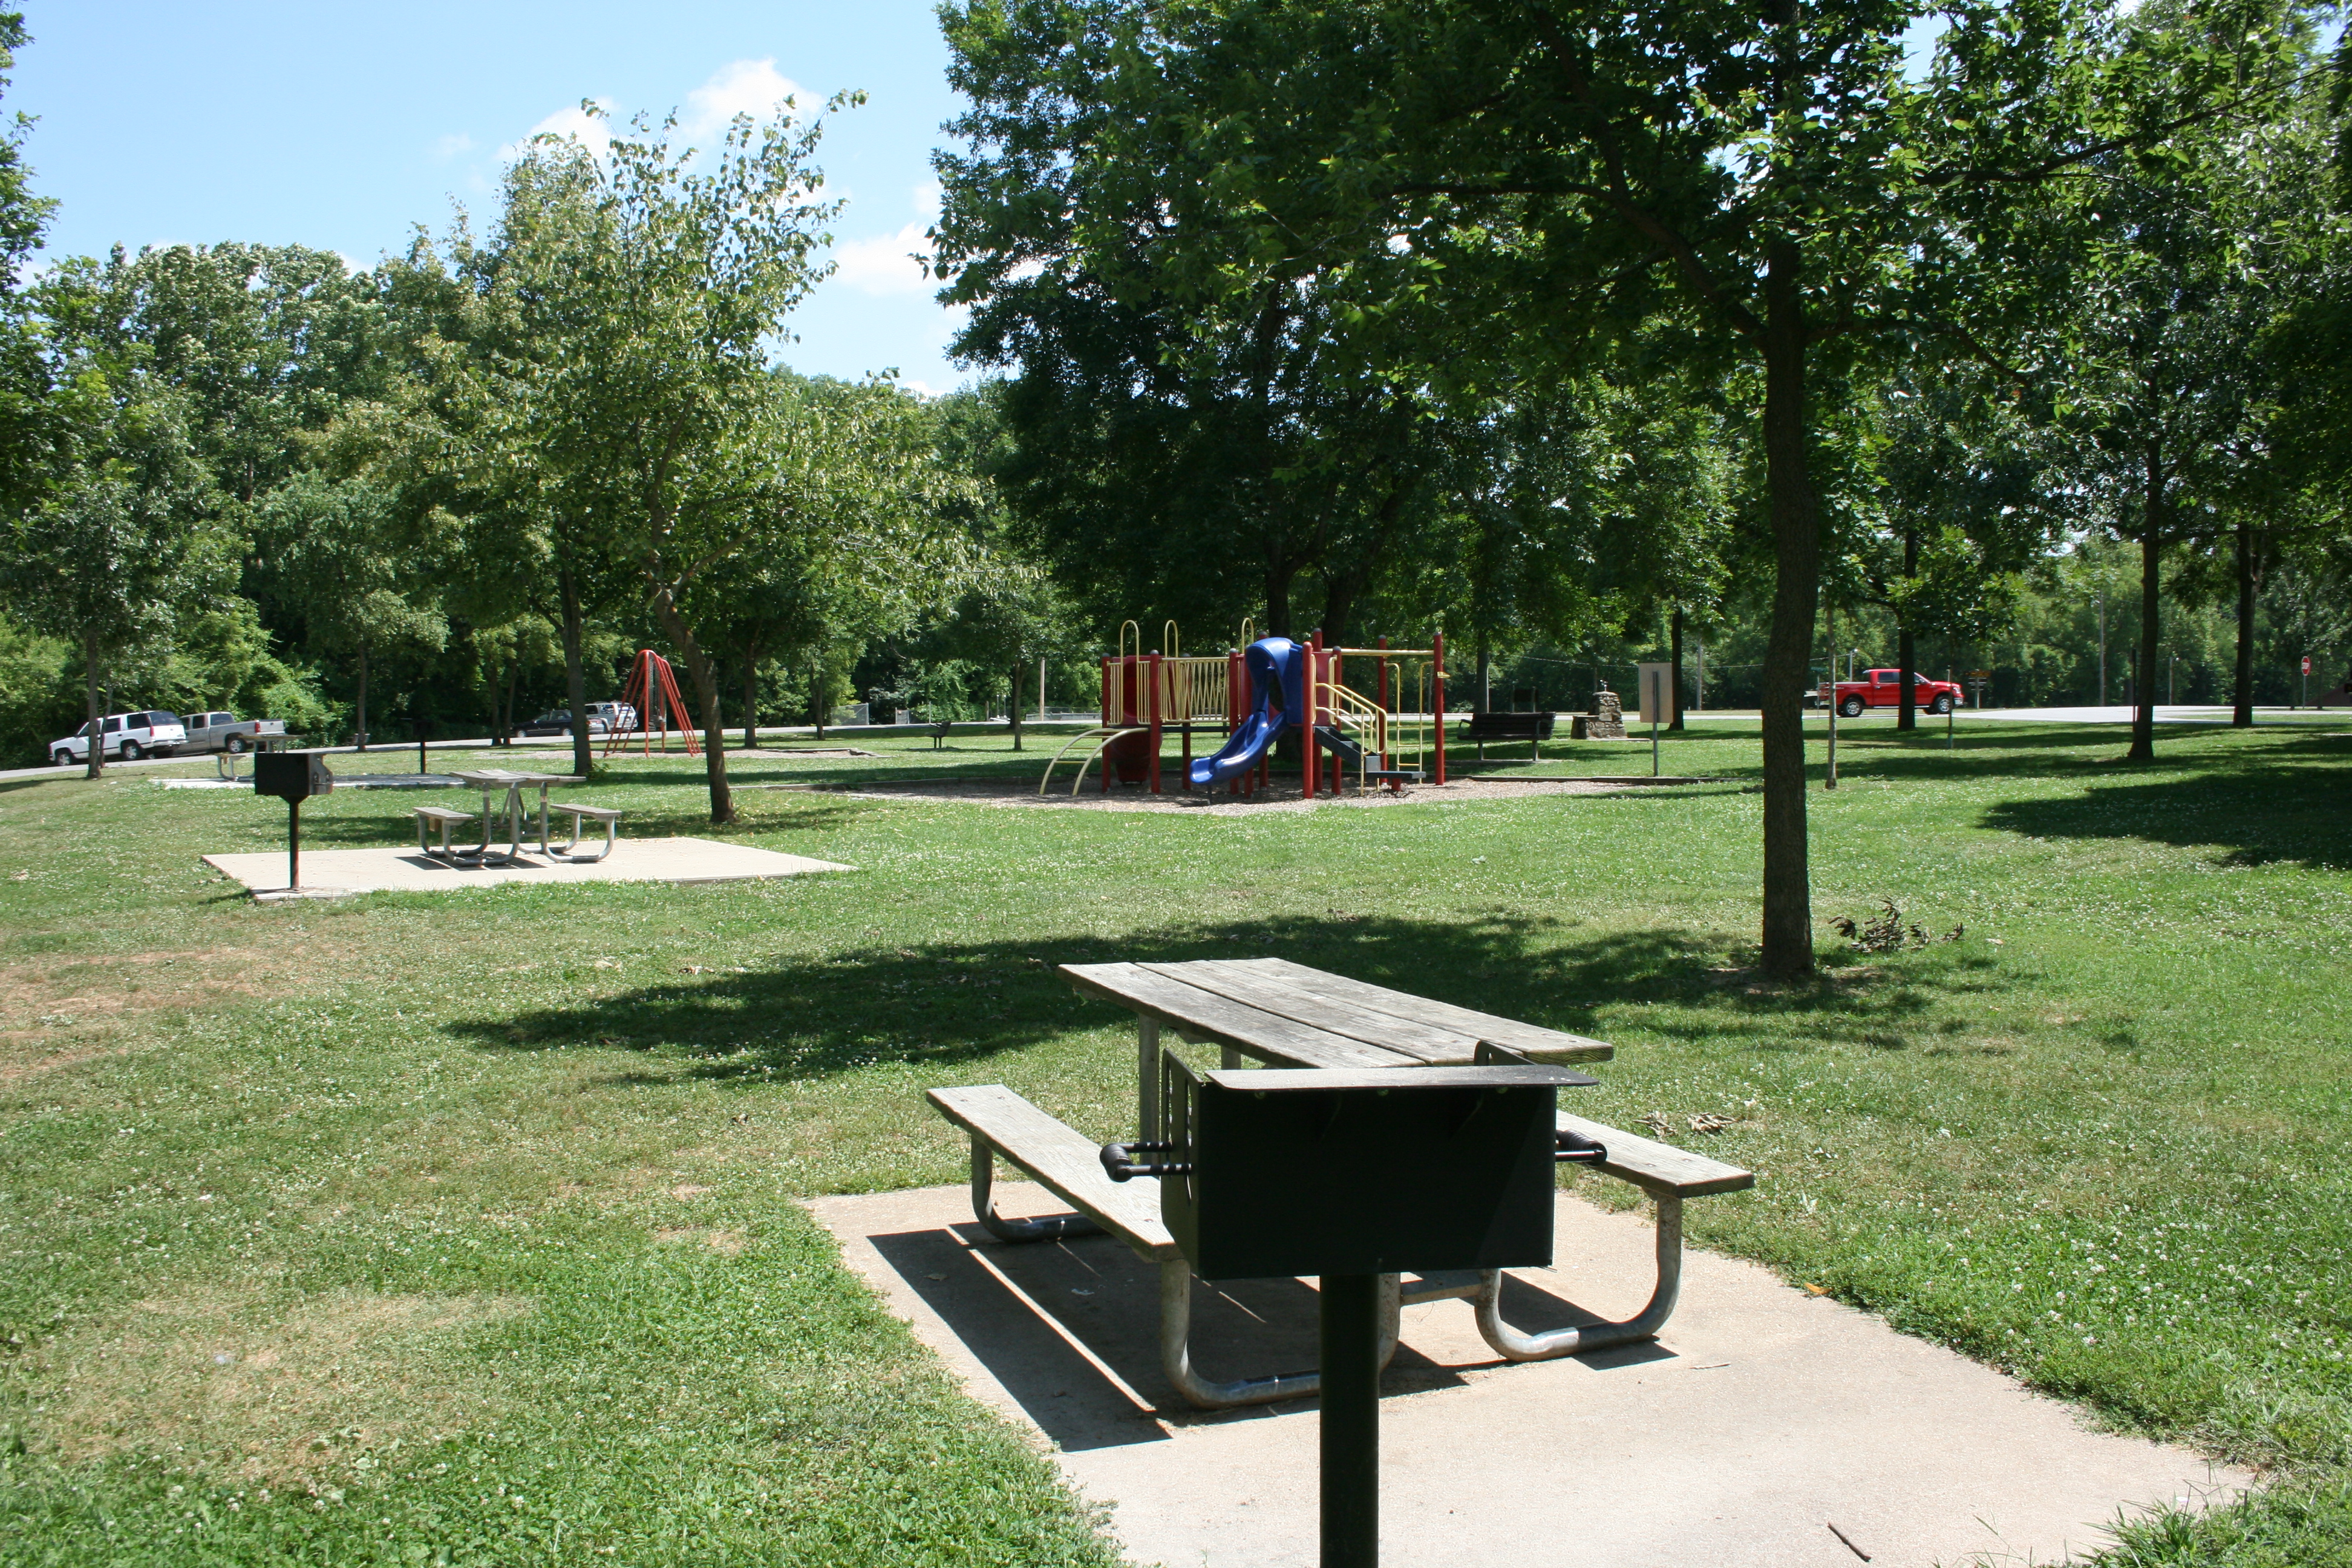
344	126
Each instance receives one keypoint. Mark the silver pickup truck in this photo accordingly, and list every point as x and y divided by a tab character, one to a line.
228	732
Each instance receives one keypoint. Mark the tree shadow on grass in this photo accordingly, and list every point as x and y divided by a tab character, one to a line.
2257	814
952	1002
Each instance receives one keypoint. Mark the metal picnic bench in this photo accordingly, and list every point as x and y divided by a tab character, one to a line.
490	782
1285	1014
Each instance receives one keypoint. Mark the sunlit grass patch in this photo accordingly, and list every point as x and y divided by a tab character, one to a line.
2097	1140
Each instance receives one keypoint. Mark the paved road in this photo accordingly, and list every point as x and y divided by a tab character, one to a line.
392	752
2165	714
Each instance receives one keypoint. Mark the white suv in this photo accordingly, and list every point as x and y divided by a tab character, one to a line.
128	736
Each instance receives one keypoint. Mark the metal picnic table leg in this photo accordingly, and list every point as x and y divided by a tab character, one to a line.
1213	1394
1511	1344
543	849
483	853
514	823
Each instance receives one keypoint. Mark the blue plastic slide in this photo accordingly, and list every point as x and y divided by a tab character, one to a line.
1277	676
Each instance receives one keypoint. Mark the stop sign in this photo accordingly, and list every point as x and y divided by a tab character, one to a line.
2306	664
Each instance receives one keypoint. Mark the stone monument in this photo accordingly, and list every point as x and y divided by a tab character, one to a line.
1604	720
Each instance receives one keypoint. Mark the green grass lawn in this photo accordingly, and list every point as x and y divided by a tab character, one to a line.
461	1229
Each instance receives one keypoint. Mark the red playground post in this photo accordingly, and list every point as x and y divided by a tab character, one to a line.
1154	721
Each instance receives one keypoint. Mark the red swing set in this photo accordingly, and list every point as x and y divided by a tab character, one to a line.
653	693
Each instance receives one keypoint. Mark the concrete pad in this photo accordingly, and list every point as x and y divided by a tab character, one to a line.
330	872
1764	1424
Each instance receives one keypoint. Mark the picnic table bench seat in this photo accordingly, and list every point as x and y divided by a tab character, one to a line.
1069	1165
609	815
444	818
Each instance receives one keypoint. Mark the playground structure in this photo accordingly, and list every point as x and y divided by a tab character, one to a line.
653	693
1254	695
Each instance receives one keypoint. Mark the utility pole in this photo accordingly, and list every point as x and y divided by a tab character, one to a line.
2103	645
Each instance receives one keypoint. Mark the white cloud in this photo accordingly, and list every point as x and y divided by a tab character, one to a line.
741	87
575	121
927	198
456	144
886	263
922	389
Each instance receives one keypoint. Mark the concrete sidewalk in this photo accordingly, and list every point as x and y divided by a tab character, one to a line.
1763	1418
329	873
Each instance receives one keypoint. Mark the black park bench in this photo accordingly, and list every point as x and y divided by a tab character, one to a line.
1532	728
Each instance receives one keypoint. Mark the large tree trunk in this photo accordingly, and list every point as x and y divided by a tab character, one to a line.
2151	557
498	672
1907	645
94	766
705	691
2242	691
1012	704
751	699
1788	924
361	737
575	670
1674	657
1485	676
816	698
1278	577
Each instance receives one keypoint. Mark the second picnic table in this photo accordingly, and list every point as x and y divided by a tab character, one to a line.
489	781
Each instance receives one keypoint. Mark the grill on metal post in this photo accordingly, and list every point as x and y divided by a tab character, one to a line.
293	777
1349	1175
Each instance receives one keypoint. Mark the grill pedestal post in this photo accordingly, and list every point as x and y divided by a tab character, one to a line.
1351	1420
293	845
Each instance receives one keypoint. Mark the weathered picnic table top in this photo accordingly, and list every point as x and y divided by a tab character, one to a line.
1285	1013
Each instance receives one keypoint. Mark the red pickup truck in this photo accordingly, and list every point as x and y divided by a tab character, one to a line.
1883	689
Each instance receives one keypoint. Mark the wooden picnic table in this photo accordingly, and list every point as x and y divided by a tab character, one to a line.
1287	1014
489	781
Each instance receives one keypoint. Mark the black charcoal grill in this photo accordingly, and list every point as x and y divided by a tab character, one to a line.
293	777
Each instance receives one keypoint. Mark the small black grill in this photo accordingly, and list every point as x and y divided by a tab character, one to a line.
293	777
1350	1176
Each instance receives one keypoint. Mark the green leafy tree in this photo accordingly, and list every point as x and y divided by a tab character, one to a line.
2185	259
337	554
1959	494
120	544
1483	190
863	528
455	441
646	290
29	436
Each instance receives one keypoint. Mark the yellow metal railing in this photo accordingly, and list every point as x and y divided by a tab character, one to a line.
1193	690
1100	738
1345	710
1403	732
